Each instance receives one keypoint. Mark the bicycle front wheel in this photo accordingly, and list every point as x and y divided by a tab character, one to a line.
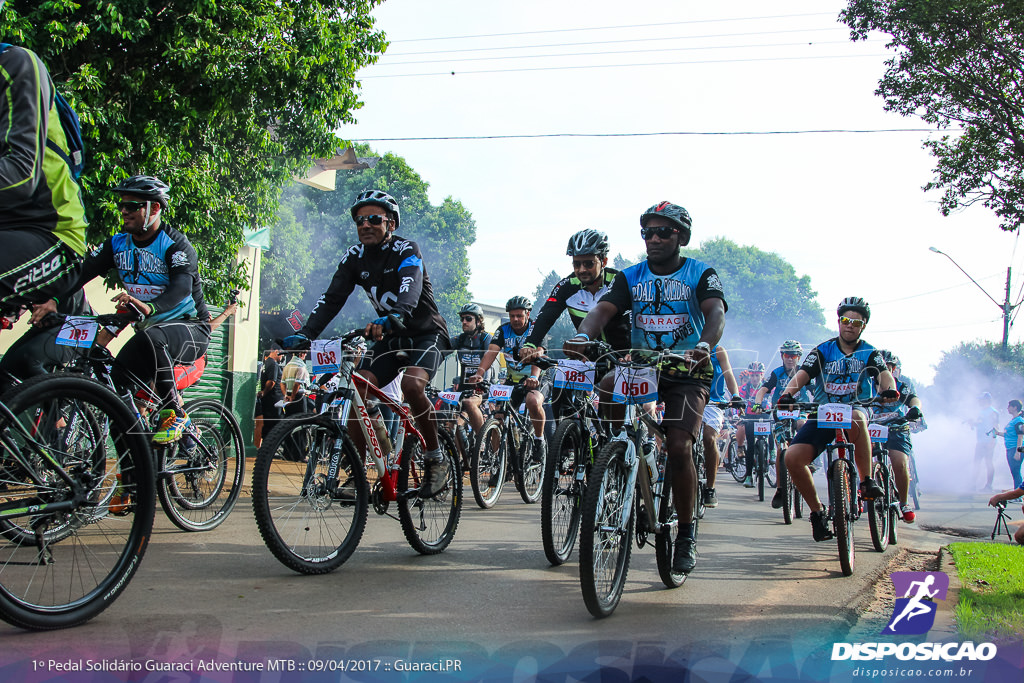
739	464
842	484
786	490
310	520
605	540
84	493
530	472
878	512
429	524
664	540
487	467
915	491
760	464
201	478
560	497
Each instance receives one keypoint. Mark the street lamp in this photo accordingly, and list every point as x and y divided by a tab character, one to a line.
1005	306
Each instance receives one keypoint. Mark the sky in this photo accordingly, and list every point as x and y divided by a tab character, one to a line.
846	209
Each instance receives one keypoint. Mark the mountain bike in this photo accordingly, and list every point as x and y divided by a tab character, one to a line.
505	442
312	514
624	499
884	511
729	448
199	477
763	469
69	449
783	432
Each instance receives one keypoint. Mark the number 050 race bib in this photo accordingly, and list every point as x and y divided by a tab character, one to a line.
635	386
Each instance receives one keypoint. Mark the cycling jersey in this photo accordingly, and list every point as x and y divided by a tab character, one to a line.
36	187
717	378
747	392
394	278
666	308
571	295
899	408
840	378
162	272
777	381
510	342
470	350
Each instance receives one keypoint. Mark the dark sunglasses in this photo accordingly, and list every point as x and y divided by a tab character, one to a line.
373	219
130	207
468	318
662	231
587	264
852	321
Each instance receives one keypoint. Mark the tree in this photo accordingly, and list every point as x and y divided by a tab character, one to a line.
971	368
958	62
768	303
443	232
225	101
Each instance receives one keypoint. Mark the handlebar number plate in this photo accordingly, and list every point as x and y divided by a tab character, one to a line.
500	392
879	433
326	353
574	374
835	415
762	427
450	397
78	332
635	386
787	414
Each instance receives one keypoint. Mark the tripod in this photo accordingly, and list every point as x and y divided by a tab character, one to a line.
1001	519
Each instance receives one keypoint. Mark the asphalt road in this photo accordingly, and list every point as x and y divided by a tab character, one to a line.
221	596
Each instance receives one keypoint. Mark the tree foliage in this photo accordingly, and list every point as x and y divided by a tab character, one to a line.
973	367
768	303
443	232
223	100
562	329
958	62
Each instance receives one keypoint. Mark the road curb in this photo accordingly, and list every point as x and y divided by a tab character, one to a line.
945	621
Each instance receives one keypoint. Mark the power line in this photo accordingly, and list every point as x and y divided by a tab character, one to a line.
629	135
614	52
619	66
935	291
606	28
610	42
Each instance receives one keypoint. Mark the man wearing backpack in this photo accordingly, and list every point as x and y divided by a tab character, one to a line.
42	219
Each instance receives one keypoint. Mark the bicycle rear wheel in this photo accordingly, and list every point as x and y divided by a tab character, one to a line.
89	534
560	497
605	542
739	465
199	486
664	539
842	519
878	511
310	521
893	510
786	490
488	463
429	524
915	492
702	478
760	463
530	472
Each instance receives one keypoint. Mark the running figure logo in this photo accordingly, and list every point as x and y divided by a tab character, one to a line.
914	613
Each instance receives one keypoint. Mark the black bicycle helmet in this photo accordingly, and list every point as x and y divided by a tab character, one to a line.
855	303
791	346
472	309
518	302
891	358
674	213
378	198
588	242
146	186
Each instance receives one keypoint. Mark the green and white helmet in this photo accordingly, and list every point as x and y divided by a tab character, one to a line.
791	346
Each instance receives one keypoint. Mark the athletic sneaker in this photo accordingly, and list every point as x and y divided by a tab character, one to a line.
778	500
684	557
540	447
435	474
819	526
908	514
172	426
748	483
710	498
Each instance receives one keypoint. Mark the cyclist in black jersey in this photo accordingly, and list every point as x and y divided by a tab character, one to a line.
42	219
470	347
899	444
391	271
790	351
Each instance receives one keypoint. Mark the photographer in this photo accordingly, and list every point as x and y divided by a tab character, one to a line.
1013	494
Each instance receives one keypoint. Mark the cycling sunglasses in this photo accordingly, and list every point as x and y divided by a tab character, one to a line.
586	264
373	219
852	321
130	207
468	318
662	231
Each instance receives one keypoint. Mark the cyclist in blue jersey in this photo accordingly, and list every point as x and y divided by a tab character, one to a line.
677	303
839	370
470	347
898	444
791	350
750	382
159	271
714	419
508	340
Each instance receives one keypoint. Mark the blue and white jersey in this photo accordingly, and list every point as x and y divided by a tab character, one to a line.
777	381
163	273
840	378
717	378
510	343
898	408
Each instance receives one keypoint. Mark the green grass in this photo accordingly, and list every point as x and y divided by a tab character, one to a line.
992	593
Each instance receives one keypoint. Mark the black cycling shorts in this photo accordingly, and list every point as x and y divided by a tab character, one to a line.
388	356
35	266
684	405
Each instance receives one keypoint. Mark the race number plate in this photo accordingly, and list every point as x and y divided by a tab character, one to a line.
326	354
450	397
787	414
500	392
574	374
78	332
337	408
762	427
835	415
879	433
635	386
